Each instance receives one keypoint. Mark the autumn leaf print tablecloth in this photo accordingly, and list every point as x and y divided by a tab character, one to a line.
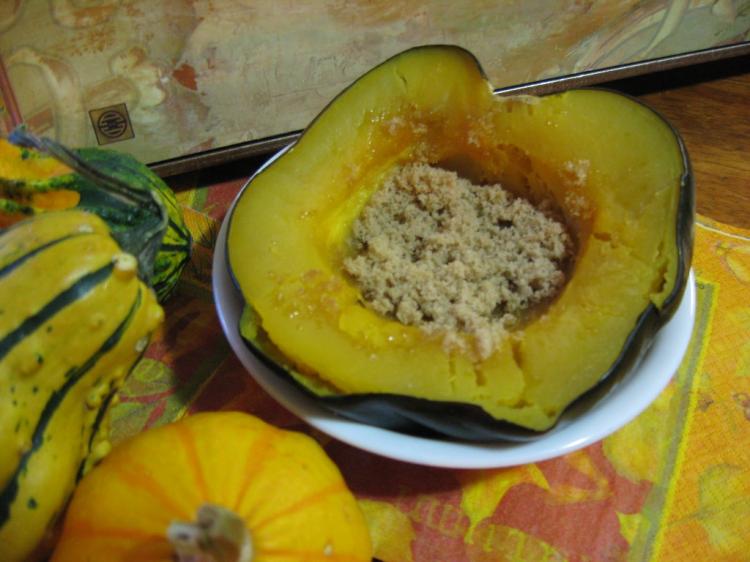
673	485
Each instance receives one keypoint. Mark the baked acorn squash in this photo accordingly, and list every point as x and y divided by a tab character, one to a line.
54	178
617	172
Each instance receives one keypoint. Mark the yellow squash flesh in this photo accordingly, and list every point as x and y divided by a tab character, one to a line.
612	166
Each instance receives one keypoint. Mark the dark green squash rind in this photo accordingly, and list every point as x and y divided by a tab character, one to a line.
470	422
406	414
127	204
175	247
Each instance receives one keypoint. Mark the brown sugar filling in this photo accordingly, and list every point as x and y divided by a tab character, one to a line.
455	259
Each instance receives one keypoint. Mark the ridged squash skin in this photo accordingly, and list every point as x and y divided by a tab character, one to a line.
617	172
33	182
74	318
288	494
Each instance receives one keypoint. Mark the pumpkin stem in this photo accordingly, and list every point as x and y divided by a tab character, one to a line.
217	535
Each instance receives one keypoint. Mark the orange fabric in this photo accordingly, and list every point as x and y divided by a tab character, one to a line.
672	485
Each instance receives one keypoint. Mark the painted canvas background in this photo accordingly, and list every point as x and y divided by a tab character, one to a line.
200	74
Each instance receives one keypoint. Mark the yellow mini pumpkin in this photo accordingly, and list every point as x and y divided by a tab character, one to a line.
260	494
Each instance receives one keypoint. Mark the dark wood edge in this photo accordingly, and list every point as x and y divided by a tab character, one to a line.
222	155
629	70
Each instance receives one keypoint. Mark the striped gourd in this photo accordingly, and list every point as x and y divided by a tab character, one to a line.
54	178
74	318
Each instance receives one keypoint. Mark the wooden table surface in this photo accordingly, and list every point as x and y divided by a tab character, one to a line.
710	106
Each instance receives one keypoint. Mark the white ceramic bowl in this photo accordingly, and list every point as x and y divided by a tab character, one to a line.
620	405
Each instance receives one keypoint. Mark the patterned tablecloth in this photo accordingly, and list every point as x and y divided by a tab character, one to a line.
674	484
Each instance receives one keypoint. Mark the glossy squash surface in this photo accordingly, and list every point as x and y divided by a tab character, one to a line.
74	318
614	168
33	181
288	494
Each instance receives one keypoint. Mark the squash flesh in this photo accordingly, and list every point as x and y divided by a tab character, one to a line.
632	192
286	240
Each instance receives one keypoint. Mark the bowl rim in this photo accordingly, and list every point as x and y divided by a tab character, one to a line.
622	403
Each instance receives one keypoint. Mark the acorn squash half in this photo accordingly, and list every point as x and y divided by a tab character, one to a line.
616	170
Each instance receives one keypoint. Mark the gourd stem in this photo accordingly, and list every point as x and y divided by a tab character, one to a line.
216	535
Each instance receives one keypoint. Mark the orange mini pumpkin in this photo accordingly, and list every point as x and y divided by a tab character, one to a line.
260	494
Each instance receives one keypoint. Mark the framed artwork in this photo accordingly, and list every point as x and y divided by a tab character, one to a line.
182	84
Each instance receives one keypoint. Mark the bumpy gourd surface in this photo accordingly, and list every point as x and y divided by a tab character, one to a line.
74	318
613	167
